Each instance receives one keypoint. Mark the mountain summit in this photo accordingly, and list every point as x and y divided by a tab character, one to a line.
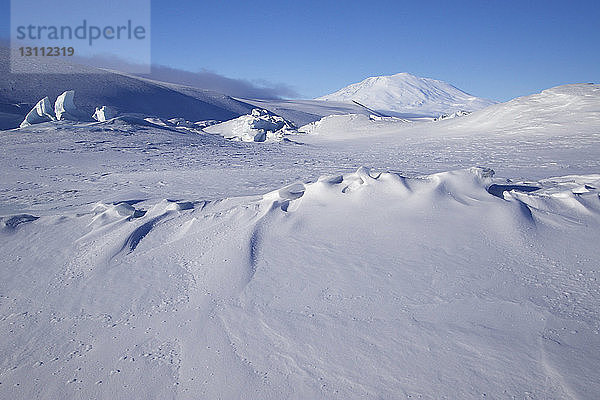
404	93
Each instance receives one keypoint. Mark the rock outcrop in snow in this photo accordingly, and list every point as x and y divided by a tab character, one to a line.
182	124
42	112
452	115
408	94
259	126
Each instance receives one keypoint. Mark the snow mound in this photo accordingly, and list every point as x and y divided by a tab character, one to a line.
405	93
572	197
107	213
259	126
351	126
42	112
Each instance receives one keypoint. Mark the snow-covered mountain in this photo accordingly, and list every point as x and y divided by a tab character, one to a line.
404	93
558	113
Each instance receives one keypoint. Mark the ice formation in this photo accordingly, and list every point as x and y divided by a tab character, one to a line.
104	113
259	126
65	108
42	112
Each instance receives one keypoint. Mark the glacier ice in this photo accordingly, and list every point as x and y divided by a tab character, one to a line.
65	108
104	113
42	112
259	126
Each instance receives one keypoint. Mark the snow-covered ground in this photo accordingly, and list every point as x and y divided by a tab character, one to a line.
366	258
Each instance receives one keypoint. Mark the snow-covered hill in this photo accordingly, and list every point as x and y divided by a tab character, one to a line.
568	108
559	112
403	93
97	88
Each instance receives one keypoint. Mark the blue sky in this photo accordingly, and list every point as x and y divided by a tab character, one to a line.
494	49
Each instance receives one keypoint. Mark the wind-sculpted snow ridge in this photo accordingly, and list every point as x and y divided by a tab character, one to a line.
361	285
259	126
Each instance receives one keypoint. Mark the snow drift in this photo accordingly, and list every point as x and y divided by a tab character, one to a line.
327	289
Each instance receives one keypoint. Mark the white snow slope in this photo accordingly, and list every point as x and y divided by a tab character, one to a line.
404	93
141	261
95	88
348	126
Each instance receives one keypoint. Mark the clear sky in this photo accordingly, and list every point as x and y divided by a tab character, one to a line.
494	49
